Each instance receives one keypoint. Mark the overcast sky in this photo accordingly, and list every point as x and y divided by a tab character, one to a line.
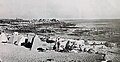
29	9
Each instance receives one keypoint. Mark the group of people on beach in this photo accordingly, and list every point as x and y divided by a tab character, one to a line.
59	45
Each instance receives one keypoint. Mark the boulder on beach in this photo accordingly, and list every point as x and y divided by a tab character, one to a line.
37	43
3	37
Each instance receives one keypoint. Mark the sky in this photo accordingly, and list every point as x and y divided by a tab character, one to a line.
80	9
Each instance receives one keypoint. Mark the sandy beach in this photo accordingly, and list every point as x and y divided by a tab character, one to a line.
12	53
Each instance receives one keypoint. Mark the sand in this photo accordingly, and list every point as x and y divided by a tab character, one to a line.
12	53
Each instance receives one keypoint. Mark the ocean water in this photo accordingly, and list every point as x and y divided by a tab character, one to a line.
110	23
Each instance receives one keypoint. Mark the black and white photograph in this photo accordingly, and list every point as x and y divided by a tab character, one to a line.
59	30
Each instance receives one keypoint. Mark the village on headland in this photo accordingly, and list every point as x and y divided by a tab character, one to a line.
52	35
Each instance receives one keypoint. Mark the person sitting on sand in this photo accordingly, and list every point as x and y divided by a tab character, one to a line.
57	45
80	48
85	50
67	47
